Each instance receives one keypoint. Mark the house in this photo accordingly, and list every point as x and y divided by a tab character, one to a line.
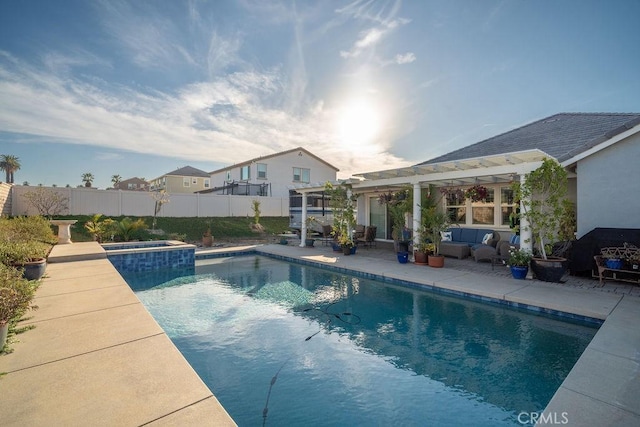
132	184
273	174
183	180
601	152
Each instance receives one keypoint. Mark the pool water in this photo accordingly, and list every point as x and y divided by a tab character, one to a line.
287	344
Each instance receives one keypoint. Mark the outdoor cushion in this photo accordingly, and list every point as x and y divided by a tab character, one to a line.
455	234
486	238
446	236
469	235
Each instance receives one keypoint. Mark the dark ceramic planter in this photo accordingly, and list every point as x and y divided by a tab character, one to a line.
549	270
33	270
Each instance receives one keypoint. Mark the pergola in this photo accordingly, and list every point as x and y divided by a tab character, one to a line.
493	169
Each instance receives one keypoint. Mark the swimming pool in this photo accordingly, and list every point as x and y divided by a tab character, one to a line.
289	344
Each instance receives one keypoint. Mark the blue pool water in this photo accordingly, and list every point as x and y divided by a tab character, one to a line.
286	344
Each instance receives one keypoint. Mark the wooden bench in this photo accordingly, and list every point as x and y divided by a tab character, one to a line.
626	275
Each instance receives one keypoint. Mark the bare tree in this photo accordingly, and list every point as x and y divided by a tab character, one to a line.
47	202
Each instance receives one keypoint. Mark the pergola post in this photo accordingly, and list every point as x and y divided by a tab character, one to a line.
526	238
417	214
303	220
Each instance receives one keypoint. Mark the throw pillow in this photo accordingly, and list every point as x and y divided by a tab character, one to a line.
446	236
485	239
515	239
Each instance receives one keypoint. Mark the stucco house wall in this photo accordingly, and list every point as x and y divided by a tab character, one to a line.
279	171
608	187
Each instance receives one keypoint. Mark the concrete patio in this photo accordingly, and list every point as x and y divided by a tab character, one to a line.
96	357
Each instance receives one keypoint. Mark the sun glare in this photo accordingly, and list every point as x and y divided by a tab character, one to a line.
358	124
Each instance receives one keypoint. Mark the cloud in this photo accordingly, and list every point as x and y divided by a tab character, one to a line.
406	58
226	120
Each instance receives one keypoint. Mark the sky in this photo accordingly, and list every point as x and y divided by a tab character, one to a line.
143	87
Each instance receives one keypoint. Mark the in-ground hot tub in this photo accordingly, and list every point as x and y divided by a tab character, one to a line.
129	257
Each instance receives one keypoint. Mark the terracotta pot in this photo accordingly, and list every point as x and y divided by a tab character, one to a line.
421	258
436	261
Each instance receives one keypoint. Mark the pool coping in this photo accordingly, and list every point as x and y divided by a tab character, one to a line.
62	361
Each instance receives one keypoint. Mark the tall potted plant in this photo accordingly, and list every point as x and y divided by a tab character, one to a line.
435	222
342	204
399	204
542	195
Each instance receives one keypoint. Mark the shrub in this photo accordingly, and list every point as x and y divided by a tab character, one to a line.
16	253
16	293
31	228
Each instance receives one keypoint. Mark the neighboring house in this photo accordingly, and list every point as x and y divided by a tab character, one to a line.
273	174
184	180
133	184
601	151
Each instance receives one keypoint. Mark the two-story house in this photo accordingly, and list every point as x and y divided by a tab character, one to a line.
273	174
132	184
184	180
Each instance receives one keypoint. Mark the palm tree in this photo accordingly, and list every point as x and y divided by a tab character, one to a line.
87	178
9	164
116	179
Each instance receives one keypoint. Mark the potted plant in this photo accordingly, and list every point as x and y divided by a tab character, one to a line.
542	196
399	205
207	238
310	222
422	251
435	222
30	257
342	204
16	296
519	262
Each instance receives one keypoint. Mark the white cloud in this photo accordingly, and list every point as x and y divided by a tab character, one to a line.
227	120
406	58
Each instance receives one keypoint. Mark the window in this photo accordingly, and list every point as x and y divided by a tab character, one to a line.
301	175
483	212
194	181
245	173
507	204
456	207
262	170
186	182
207	182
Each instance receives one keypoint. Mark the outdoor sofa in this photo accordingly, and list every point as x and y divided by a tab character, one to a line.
469	241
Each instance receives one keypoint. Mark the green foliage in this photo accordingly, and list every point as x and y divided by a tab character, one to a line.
127	228
16	293
23	239
16	253
542	196
342	203
519	257
255	206
399	204
99	228
224	228
23	228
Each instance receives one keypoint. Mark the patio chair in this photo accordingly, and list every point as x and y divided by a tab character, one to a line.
327	234
369	238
